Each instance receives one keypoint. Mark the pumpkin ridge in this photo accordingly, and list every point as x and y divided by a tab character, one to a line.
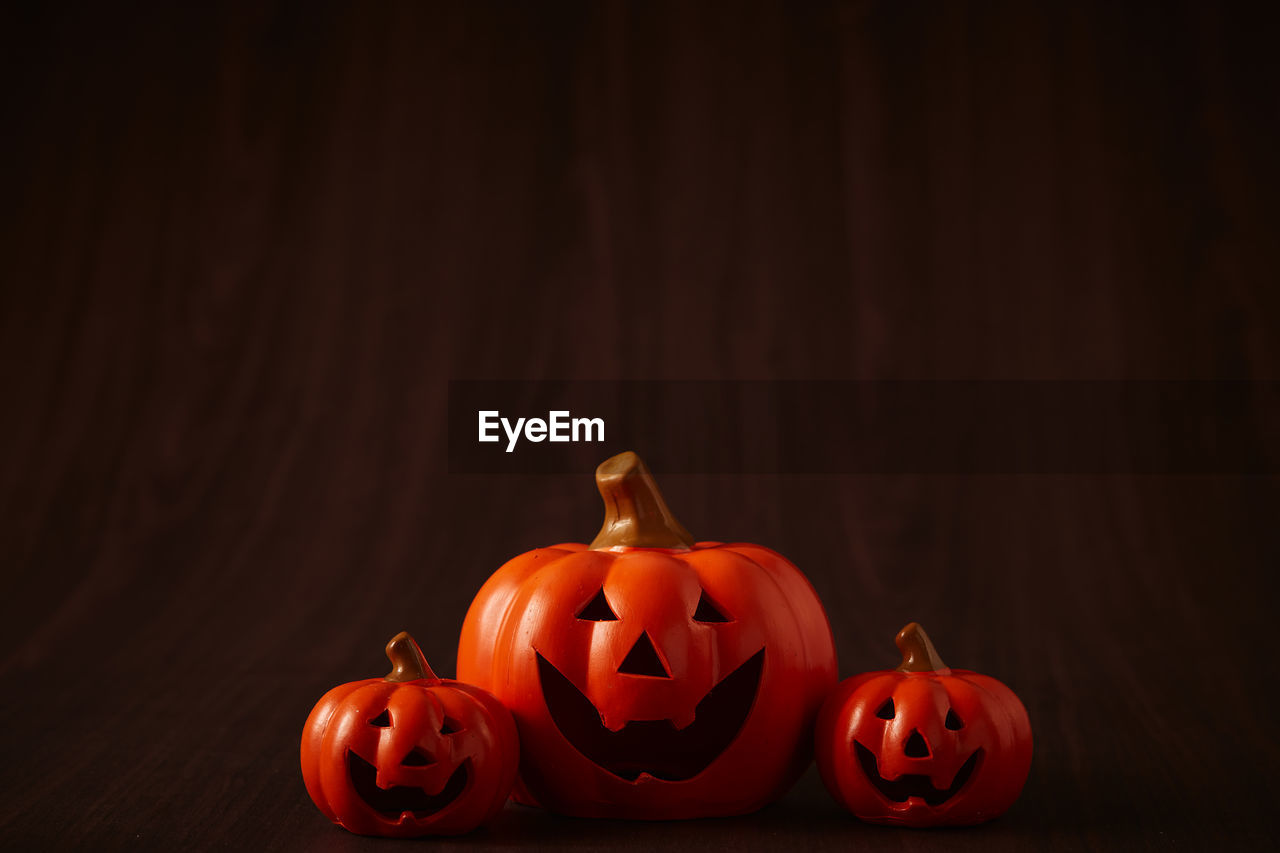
534	583
774	576
520	576
993	689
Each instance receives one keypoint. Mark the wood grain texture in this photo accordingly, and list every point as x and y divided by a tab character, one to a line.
246	248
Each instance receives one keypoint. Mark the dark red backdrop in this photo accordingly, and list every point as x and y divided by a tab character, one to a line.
245	250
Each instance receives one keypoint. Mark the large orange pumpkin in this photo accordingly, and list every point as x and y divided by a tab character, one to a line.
651	676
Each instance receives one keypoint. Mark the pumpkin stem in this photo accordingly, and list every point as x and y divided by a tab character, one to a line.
918	653
407	662
635	515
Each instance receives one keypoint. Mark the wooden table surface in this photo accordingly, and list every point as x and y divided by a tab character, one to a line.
246	249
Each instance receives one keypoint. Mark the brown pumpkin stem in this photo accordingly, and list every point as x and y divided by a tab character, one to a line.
635	515
918	653
407	662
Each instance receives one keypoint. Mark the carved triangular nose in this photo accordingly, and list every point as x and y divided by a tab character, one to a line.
643	660
916	746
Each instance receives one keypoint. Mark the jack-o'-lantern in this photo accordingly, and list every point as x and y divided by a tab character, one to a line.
409	754
923	745
650	676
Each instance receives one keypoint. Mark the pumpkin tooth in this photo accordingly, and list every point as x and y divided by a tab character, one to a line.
683	721
612	724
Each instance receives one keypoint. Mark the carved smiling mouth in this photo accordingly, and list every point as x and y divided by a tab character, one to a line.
654	747
398	799
914	784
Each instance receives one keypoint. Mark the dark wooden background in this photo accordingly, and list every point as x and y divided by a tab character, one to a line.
246	248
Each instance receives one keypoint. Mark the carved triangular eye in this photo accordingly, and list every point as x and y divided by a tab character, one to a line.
708	612
886	711
953	721
382	721
598	610
449	726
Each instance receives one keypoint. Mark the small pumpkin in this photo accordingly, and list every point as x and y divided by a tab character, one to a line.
652	676
409	754
923	745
